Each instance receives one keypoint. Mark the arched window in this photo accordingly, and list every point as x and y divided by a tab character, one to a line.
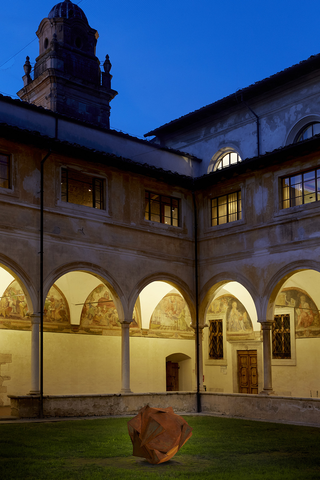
308	131
230	158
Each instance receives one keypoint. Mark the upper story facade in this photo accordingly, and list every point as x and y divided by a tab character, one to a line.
261	118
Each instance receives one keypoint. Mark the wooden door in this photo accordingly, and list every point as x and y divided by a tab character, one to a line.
247	371
172	377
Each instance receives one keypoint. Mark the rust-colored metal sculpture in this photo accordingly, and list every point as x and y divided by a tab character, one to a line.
158	433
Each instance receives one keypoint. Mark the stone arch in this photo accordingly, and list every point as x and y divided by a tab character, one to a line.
24	281
173	280
277	281
97	271
217	157
298	126
216	283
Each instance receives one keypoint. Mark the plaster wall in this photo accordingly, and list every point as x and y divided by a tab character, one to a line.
301	379
254	250
87	364
148	363
107	141
17	372
278	112
77	235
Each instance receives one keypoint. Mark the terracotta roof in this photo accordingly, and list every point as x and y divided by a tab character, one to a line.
91	155
263	86
275	157
48	112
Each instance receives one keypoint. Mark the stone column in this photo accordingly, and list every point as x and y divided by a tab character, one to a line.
35	380
267	352
201	327
125	357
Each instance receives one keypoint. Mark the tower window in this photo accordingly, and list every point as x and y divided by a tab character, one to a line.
46	43
82	189
78	42
162	209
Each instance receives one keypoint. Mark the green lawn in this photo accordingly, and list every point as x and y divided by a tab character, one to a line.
220	448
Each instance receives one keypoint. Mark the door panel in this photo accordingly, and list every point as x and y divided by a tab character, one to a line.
247	371
172	376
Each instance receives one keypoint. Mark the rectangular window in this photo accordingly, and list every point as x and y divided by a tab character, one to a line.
226	209
216	340
4	171
281	343
81	189
301	189
161	209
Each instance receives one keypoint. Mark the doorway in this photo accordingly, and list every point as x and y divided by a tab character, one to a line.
172	371
248	371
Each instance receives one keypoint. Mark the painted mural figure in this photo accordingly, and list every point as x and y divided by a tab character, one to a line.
99	310
236	320
171	314
13	303
304	313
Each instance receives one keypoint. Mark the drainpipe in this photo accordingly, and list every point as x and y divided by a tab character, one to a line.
258	124
197	299
41	282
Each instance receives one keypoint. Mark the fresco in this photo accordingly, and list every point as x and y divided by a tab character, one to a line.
171	315
56	309
233	312
306	314
13	303
14	309
100	311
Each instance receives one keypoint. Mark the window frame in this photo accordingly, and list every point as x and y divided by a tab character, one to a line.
280	333
94	178
162	204
301	132
223	362
292	200
286	361
220	162
9	174
218	334
238	213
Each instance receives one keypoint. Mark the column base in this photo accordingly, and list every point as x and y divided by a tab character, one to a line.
267	392
125	390
34	392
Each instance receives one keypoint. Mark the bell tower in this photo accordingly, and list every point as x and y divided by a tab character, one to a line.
67	77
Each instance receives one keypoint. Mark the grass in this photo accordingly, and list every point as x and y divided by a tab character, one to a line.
220	449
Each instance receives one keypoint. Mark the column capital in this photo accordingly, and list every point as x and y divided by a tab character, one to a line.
200	327
35	318
125	323
267	325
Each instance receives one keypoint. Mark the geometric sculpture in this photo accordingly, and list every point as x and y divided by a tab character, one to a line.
158	433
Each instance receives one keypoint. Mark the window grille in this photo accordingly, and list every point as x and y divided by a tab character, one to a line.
4	171
162	209
301	189
226	209
281	343
81	189
216	340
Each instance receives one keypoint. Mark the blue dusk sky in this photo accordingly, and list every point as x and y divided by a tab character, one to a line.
171	57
